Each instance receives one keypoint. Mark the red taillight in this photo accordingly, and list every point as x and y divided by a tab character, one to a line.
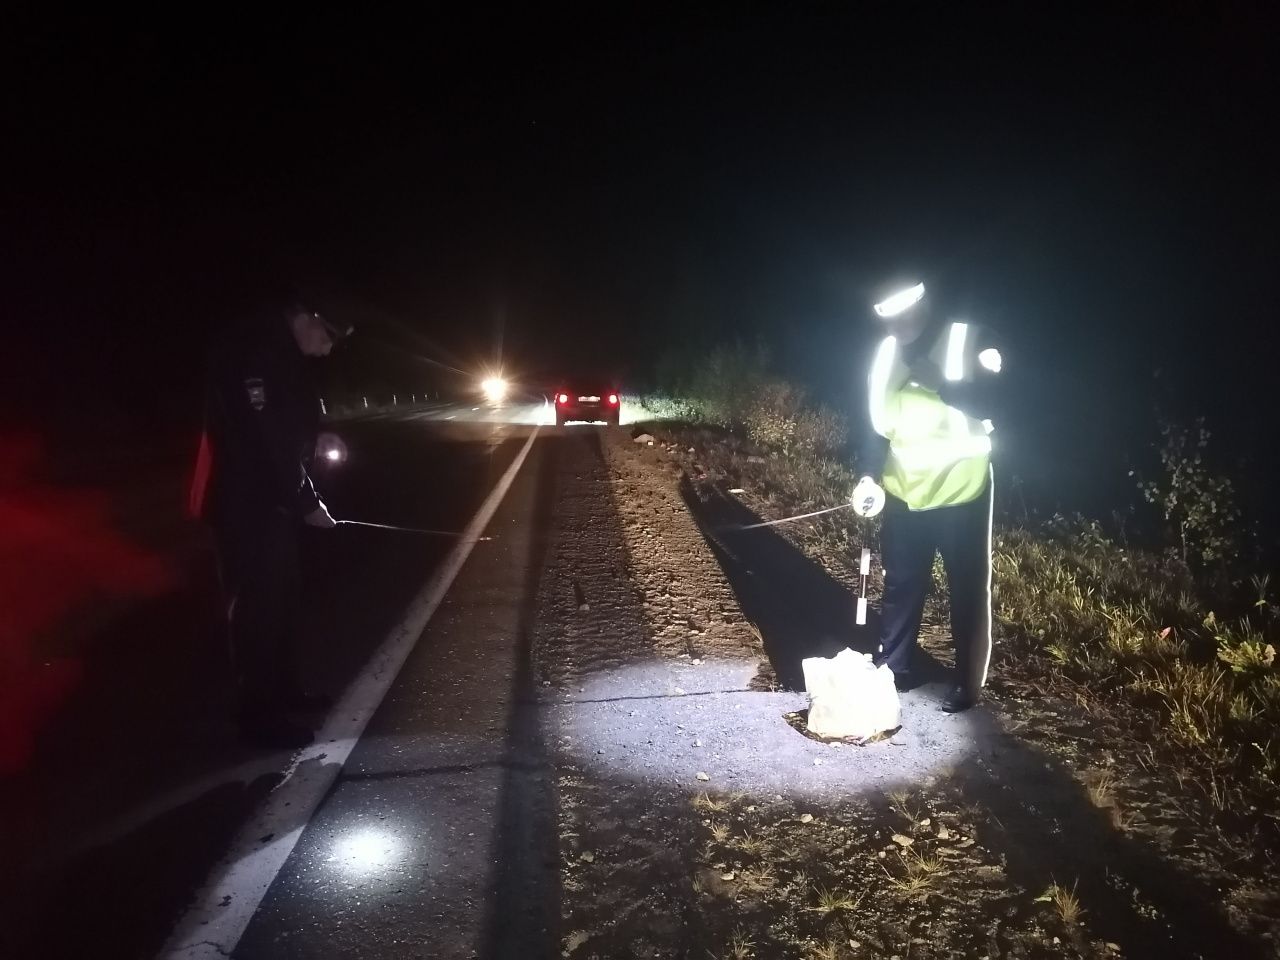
562	398
613	399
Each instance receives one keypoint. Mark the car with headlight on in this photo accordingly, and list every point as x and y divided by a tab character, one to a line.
494	391
588	401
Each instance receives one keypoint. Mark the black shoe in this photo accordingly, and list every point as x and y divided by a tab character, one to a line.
958	699
905	681
274	732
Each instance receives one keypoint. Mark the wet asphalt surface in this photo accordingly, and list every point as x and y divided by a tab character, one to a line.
442	798
140	784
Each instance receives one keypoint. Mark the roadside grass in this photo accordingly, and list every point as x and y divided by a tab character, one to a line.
1126	628
1101	788
829	950
1065	903
751	845
707	803
740	945
900	802
919	871
834	901
760	879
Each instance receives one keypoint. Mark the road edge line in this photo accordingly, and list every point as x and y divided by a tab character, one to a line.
212	926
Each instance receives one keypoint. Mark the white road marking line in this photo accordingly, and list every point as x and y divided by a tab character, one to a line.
213	925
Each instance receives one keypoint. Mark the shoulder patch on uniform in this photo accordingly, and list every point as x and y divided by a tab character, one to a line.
256	391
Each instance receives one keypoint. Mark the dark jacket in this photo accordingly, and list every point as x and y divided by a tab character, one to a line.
261	417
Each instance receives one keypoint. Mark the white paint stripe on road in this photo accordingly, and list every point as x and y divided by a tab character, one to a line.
222	910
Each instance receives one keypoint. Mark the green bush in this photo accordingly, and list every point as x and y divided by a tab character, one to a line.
771	416
1197	503
731	388
725	387
822	431
656	406
780	418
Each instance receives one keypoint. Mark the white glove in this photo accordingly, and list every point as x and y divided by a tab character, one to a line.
868	498
320	517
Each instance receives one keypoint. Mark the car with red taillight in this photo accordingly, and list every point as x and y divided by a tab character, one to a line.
586	401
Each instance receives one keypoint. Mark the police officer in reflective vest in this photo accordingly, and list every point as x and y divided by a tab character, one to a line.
252	485
927	464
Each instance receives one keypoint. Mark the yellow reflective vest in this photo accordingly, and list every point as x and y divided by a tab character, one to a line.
938	455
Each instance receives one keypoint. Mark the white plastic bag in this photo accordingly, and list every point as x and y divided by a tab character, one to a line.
850	697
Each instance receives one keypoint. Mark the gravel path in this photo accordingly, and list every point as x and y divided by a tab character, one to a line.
655	675
695	820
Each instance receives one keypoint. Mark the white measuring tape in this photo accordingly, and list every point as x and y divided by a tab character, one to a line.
802	516
388	526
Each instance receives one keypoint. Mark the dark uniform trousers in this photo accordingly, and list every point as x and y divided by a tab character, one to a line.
262	580
909	540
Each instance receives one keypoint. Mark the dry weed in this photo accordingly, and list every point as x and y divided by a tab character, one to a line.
920	872
751	845
831	950
740	945
832	901
706	803
760	879
1102	790
1065	903
900	803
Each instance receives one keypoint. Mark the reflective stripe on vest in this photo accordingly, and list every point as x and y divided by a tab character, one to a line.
938	456
953	370
878	386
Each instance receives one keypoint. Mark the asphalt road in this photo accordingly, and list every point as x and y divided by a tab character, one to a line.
141	787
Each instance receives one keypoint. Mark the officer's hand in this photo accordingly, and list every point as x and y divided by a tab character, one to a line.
926	374
320	517
868	498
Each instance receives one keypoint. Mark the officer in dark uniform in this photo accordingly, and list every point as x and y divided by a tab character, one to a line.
262	414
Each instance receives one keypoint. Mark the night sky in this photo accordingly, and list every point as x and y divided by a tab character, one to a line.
1099	188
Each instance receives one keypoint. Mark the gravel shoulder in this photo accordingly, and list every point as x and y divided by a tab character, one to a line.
696	820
